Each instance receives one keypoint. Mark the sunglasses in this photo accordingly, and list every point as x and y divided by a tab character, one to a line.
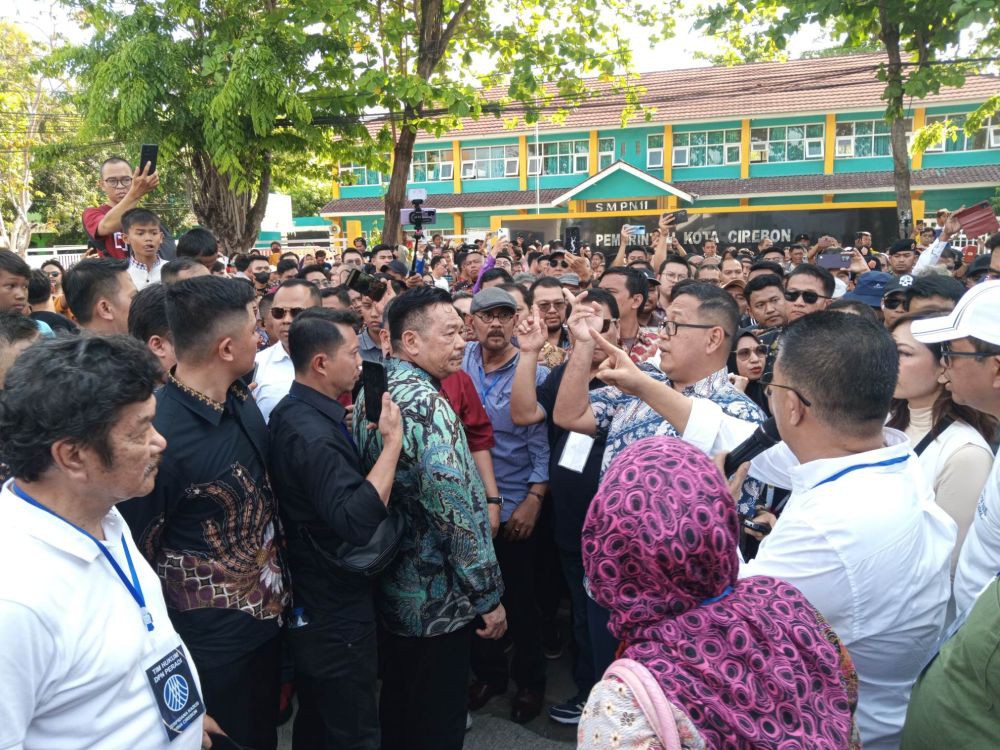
501	316
605	324
559	264
808	296
554	305
893	303
280	313
744	354
54	274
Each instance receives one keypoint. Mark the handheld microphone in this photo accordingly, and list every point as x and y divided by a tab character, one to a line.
763	438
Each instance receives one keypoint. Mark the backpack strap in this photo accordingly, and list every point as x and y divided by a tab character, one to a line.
649	695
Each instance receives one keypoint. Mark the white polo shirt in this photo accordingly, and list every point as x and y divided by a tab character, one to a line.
870	549
143	275
72	642
274	377
979	560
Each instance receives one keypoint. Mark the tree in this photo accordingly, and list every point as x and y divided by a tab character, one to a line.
414	64
225	87
915	35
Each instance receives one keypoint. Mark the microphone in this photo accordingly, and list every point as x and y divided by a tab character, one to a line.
763	438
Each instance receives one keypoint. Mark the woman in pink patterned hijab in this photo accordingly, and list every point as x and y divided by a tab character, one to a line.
749	661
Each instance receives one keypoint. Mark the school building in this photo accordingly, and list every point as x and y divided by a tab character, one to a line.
766	149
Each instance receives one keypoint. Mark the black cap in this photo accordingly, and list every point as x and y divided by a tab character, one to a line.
902	246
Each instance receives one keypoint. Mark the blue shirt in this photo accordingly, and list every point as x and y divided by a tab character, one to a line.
521	454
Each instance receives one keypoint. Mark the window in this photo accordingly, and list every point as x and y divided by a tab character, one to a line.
606	152
706	148
861	139
489	162
786	143
987	136
358	174
562	157
430	166
654	152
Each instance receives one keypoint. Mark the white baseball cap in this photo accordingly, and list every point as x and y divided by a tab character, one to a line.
976	314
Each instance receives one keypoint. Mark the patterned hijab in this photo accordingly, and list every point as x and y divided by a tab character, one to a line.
749	661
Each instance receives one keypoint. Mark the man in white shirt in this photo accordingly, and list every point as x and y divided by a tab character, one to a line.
861	535
439	271
89	657
275	371
141	230
970	351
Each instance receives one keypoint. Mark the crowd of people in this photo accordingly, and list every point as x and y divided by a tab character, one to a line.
369	479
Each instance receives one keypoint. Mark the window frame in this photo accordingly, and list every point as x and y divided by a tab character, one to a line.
760	151
601	153
650	150
538	156
724	144
471	168
440	164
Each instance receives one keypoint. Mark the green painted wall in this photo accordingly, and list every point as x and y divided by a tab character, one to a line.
680	174
954	199
863	197
780	200
785	168
618	185
868	164
961	158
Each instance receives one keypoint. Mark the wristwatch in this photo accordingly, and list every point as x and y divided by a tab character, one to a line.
498	500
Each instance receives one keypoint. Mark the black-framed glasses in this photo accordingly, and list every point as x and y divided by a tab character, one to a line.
503	316
669	327
605	324
947	354
118	181
808	296
744	354
769	384
894	302
279	313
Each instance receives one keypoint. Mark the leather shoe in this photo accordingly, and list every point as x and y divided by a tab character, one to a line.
480	694
527	704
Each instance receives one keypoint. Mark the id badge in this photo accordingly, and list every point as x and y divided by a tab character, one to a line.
576	452
175	689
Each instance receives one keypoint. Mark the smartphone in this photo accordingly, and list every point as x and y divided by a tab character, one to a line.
638	230
760	528
680	217
148	154
375	384
571	240
503	234
836	260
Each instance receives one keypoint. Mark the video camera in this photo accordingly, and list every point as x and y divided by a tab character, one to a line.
417	217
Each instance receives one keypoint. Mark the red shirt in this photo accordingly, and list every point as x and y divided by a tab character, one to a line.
114	244
461	393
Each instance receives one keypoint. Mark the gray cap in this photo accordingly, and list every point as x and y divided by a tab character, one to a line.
525	278
570	279
492	297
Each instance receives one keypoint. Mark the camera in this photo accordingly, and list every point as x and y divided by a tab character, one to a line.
365	284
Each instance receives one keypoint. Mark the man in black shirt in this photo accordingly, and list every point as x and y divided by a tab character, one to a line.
209	527
40	299
326	500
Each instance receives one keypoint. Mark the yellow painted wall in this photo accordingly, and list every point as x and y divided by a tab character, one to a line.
522	161
919	120
456	157
668	152
744	149
593	153
829	146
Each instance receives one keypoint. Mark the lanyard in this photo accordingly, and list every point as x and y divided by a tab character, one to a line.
725	592
849	469
133	587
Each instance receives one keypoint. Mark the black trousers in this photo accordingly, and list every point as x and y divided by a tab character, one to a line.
524	622
242	696
583	663
422	705
336	686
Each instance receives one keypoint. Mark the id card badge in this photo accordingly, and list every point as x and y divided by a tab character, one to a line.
576	452
174	687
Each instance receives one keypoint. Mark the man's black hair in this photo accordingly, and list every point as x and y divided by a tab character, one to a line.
819	273
714	302
314	268
14	264
264	304
90	280
496	273
853	306
139	217
758	283
603	297
315	330
436	261
354	250
679	260
53	262
545	282
525	292
172	269
644	249
935	285
362	240
147	314
993	242
340	292
772	249
286	264
39	288
15	327
844	365
199	310
99	375
767	265
409	310
197	243
313	289
381	247
635	282
113	160
242	262
533	256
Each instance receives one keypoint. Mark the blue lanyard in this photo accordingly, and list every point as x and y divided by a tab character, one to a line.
133	588
725	592
849	469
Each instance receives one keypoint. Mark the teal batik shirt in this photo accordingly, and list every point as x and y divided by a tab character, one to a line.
445	572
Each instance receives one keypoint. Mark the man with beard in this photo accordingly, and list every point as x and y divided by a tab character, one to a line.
548	296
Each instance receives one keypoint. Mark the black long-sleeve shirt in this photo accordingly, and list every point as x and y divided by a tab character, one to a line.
320	487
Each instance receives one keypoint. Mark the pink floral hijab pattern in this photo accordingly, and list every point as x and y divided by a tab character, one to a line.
750	661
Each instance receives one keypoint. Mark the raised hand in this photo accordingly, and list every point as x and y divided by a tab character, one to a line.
531	333
579	319
618	369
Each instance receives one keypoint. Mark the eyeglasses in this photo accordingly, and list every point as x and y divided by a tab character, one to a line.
808	296
354	263
669	327
552	305
947	354
744	354
559	264
605	324
118	181
54	274
768	385
892	303
280	313
501	316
